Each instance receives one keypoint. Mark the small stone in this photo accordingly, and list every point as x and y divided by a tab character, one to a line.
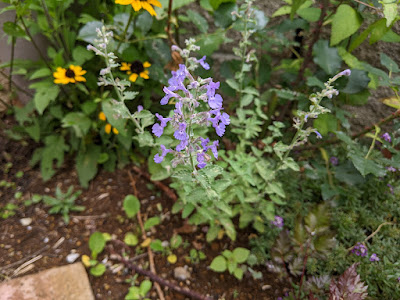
29	228
181	273
266	287
47	190
72	257
25	221
46	240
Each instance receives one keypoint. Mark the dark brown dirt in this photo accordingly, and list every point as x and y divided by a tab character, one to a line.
104	213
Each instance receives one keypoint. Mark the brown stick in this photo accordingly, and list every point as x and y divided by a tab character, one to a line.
372	234
158	280
169	33
149	252
167	191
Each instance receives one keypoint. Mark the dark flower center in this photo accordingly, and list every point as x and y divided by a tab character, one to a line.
137	67
69	73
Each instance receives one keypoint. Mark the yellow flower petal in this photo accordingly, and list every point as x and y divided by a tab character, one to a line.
133	77
107	128
115	130
102	116
137	5
80	78
123	2
149	8
125	67
155	3
146	64
145	74
86	261
146	243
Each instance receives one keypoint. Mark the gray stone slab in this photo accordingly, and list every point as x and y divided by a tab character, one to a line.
61	283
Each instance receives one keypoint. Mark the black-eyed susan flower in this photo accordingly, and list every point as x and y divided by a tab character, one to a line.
139	4
136	69
102	116
71	75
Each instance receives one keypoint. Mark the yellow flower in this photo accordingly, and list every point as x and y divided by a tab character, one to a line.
102	116
136	69
71	75
107	128
139	4
115	130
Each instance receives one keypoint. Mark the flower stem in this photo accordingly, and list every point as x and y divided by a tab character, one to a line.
125	30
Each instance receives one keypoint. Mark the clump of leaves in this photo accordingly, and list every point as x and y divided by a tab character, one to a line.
63	203
139	292
230	260
348	286
312	239
97	242
8	210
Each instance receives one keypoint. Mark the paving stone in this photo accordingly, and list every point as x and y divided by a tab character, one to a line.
61	283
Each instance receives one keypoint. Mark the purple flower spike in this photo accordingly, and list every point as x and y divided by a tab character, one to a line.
211	87
386	137
200	160
278	222
168	94
180	134
319	136
204	143
215	102
203	63
163	121
182	145
157	130
374	257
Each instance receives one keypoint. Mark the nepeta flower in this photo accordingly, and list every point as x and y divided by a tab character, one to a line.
168	94
278	222
386	137
180	134
159	158
346	72
360	250
334	161
391	169
203	63
319	136
374	257
215	102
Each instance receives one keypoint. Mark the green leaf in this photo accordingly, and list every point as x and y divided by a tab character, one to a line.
389	63
131	205
229	228
233	84
145	287
367	166
98	270
218	264
326	57
346	22
96	243
390	12
209	43
241	254
88	32
358	81
133	293
144	22
295	6
78	121
42	72
131	239
326	123
54	150
198	20
81	55
310	14
281	11
44	96
86	164
151	222
216	3
13	29
378	31
238	273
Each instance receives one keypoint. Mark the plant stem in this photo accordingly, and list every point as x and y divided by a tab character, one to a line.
13	40
373	143
304	269
125	30
171	39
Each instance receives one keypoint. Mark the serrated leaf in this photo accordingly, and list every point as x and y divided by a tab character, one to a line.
326	57
198	20
43	97
86	164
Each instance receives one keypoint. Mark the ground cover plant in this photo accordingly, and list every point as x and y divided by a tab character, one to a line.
258	154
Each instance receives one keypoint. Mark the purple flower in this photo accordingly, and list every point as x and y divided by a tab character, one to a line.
182	145
211	87
225	119
200	160
220	129
346	72
139	108
178	108
180	134
159	158
319	136
334	161
278	222
214	149
163	121
398	279
386	137
391	169
374	257
204	143
360	250
168	94
178	76
215	102
203	63
158	129
391	188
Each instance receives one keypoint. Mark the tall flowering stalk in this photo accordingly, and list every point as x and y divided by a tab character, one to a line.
197	103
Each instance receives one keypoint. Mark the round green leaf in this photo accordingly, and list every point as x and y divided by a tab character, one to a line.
241	254
131	205
96	243
98	270
218	264
345	22
131	239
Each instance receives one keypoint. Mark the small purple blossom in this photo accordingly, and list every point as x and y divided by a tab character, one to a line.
278	222
200	160
158	129
203	63
211	88
360	250
168	94
391	189
180	134
374	257
346	72
386	137
391	169
319	136
159	158
182	145
334	161
215	102
139	108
